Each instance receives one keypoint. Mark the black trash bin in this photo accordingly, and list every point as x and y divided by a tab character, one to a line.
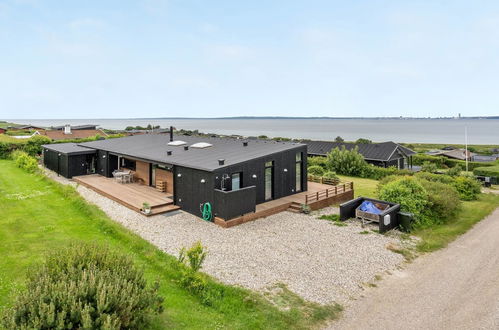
405	221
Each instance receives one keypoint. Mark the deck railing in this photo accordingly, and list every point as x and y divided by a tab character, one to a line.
330	192
323	180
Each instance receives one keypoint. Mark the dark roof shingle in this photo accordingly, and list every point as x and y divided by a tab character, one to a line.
384	151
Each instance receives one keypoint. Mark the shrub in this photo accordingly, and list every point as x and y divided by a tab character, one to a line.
410	194
85	287
429	167
446	179
24	161
346	162
378	173
339	139
317	161
194	256
34	144
331	175
363	141
455	171
443	201
315	170
468	188
442	162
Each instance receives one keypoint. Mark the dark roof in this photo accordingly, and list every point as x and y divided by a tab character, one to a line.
75	134
384	151
68	148
154	147
21	127
77	127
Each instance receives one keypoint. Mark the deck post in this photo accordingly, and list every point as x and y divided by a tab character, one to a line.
317	193
336	190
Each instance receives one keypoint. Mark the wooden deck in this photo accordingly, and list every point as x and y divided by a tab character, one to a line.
131	195
317	196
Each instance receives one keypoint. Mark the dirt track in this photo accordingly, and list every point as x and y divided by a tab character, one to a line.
454	288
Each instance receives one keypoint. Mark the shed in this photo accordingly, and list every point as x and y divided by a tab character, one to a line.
69	159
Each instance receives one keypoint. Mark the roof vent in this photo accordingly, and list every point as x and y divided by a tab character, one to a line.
169	153
221	161
186	147
201	145
245	143
177	143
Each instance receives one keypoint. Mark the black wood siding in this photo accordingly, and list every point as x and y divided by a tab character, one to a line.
189	191
284	182
231	204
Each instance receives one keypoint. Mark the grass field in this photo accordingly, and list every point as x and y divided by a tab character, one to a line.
362	187
39	215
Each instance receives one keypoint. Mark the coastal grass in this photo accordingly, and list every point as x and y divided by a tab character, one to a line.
479	148
470	213
362	187
39	216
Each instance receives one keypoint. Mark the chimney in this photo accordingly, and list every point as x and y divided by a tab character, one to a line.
221	161
67	129
171	133
245	143
186	148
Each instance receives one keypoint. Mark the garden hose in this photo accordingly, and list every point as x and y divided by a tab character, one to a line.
206	211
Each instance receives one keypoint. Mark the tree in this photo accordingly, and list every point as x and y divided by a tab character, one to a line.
346	162
363	141
339	139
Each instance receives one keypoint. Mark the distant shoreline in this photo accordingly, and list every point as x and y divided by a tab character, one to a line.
270	118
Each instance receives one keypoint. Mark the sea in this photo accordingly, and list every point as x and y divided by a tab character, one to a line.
451	131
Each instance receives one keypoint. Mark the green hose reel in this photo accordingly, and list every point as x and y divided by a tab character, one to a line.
206	212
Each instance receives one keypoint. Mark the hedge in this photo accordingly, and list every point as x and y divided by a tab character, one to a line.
492	171
441	161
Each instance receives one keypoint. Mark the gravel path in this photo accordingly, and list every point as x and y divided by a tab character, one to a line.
453	288
315	258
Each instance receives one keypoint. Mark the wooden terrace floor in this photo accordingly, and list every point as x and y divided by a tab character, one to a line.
131	195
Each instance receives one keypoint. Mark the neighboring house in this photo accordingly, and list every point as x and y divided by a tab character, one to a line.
68	133
77	127
232	175
485	158
146	131
2	130
383	154
460	154
25	136
25	128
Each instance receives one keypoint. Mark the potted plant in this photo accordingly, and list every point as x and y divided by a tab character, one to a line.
146	208
305	208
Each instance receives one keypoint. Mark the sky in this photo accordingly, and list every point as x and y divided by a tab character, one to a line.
197	58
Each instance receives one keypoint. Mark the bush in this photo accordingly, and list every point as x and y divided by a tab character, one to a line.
315	170
378	173
443	162
455	171
410	194
429	167
468	188
443	201
331	175
317	161
24	161
442	178
34	144
346	162
85	287
363	141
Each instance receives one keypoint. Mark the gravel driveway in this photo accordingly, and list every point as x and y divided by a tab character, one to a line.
315	258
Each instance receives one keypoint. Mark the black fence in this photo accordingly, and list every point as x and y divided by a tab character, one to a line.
231	204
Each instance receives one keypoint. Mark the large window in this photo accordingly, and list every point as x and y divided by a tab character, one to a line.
128	163
236	181
298	171
269	180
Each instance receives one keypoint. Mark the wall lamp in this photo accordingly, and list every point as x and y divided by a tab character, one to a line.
179	175
285	170
254	176
203	181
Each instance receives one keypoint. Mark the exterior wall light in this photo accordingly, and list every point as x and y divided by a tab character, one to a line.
179	175
285	170
103	156
203	180
254	176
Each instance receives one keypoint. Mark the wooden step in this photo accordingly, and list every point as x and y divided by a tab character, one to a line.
163	209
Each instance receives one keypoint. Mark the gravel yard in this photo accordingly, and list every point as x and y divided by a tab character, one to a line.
316	259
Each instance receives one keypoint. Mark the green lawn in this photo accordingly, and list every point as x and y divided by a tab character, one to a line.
362	187
470	213
39	215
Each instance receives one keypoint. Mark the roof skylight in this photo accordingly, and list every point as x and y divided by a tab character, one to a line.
201	145
177	143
